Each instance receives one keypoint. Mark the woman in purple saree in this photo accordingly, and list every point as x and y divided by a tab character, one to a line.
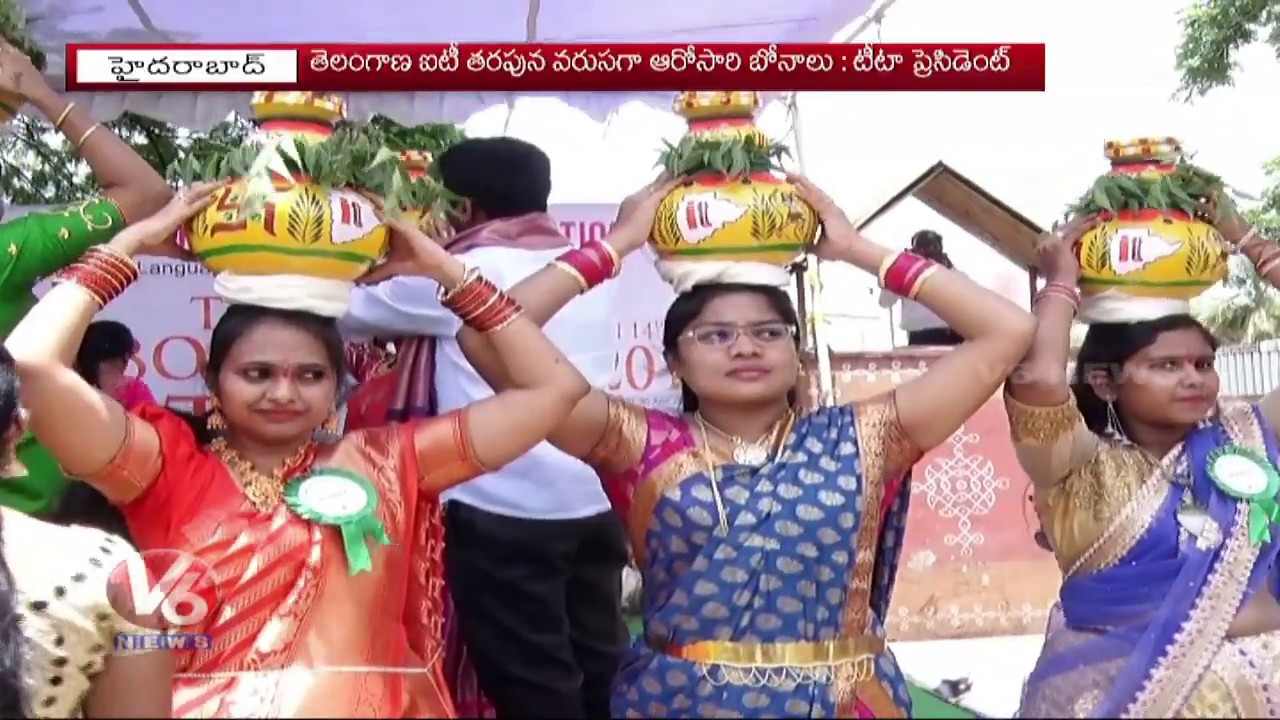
1168	605
768	535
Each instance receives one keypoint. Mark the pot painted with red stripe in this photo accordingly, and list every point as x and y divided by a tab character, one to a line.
715	217
1150	253
302	228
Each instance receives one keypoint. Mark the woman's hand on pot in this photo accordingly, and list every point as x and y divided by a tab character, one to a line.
1059	249
1227	220
412	249
18	75
160	229
839	234
636	214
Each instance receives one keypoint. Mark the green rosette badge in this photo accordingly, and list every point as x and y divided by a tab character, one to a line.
1246	475
332	496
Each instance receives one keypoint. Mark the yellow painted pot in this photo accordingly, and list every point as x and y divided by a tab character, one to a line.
301	229
1150	253
757	218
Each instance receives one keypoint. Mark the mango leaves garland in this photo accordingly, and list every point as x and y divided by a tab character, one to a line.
732	156
1185	189
361	157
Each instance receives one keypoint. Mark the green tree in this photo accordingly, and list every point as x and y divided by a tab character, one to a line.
38	166
1213	32
1243	308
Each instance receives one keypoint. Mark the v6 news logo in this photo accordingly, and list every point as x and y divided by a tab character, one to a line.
169	592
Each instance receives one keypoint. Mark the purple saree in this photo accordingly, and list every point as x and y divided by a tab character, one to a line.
1146	635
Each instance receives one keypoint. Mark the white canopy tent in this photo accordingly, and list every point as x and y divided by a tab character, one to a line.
57	22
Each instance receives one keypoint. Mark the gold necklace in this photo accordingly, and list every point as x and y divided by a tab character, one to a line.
747	453
263	491
777	434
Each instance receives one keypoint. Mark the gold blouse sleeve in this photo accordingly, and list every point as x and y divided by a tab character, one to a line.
446	456
621	446
135	465
1051	442
886	450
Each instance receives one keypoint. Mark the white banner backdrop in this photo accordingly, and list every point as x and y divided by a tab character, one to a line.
172	311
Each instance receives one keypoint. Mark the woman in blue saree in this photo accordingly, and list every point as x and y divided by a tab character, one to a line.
1168	605
768	536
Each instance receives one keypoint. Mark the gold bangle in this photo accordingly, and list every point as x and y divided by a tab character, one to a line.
613	253
57	125
117	253
1248	237
886	264
573	273
469	275
512	318
92	128
919	283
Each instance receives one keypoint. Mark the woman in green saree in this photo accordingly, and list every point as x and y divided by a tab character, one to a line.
38	244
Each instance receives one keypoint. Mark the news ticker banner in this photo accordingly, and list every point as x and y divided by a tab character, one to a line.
172	310
535	67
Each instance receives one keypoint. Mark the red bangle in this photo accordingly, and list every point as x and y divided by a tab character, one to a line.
904	272
594	263
104	273
481	305
605	255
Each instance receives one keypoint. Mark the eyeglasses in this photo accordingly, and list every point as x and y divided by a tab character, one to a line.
723	334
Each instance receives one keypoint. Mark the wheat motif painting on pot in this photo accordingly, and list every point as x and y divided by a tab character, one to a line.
734	208
300	228
1154	251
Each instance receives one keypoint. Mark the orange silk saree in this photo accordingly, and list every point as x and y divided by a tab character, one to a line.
294	634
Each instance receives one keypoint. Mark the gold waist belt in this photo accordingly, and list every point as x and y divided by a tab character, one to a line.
785	654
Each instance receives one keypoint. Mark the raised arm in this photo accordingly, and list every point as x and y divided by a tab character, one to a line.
997	332
543	293
1264	253
1041	379
81	427
545	385
125	178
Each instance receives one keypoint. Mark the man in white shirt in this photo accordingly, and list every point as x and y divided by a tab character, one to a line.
921	325
533	552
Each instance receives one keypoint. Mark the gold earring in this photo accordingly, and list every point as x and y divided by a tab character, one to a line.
216	423
332	426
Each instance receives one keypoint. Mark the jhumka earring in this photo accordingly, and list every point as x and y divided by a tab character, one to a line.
215	421
1114	428
331	429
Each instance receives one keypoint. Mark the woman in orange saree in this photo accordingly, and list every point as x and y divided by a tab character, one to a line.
296	629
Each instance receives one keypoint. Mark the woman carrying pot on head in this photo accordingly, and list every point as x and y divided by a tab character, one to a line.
307	544
57	622
1157	502
767	535
39	243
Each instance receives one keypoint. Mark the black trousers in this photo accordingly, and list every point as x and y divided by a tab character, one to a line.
539	606
934	336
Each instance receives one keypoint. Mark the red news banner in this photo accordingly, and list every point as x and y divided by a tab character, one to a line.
556	67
